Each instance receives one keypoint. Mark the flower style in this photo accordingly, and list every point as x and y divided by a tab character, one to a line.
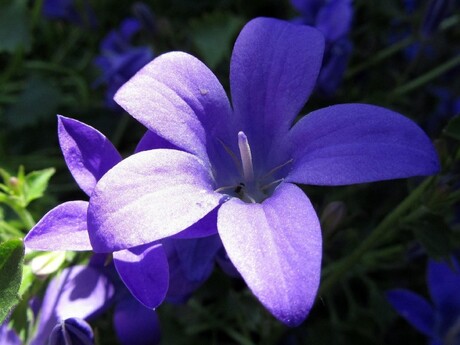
119	59
333	19
234	170
439	320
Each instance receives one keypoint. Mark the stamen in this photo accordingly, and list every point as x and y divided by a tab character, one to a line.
246	157
268	185
277	168
230	152
221	189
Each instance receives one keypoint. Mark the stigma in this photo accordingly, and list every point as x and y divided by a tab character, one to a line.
246	157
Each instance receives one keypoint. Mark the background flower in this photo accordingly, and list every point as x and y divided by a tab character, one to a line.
440	319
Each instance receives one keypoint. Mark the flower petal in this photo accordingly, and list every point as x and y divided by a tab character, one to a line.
356	143
334	19
145	272
273	71
62	228
206	226
79	291
151	141
136	324
180	99
87	152
276	246
443	284
190	263
415	309
149	196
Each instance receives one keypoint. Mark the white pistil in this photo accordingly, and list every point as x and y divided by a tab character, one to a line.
246	157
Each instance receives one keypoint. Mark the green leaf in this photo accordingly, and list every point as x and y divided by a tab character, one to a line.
213	36
38	101
453	128
36	183
11	260
28	278
14	26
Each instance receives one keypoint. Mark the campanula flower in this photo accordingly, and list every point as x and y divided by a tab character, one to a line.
235	170
333	19
145	269
119	59
440	319
89	155
69	11
78	292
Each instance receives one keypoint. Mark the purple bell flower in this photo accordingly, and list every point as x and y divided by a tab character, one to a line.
89	155
78	292
144	269
440	319
119	59
333	19
68	11
235	170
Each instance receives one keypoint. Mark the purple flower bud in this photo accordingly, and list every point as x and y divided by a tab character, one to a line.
72	331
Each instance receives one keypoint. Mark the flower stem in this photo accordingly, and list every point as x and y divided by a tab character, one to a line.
380	56
382	231
427	77
25	217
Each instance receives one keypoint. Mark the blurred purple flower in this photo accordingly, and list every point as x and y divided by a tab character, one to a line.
8	336
233	170
67	10
435	13
119	59
439	320
333	18
78	292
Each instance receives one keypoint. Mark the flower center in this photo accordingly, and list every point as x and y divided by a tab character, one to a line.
251	187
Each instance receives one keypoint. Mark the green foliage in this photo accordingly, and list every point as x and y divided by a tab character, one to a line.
213	35
20	190
14	26
11	259
25	111
453	128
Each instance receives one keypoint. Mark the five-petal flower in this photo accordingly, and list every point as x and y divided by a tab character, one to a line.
233	170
